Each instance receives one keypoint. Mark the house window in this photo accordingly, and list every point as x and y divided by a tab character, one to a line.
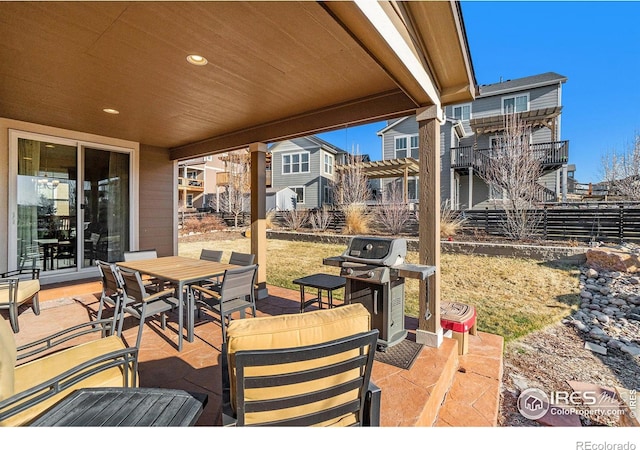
189	201
328	164
415	146
517	103
327	195
295	163
462	112
299	190
407	146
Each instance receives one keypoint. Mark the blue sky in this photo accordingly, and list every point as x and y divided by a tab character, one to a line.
596	45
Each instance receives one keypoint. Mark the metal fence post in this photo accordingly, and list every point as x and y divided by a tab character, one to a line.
621	224
486	219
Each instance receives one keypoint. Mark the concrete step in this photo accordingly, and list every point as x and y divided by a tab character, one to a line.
474	397
413	397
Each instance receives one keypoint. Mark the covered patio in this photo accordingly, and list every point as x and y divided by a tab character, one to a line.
120	76
440	389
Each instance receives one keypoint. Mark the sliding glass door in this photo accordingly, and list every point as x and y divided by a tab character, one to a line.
58	226
105	205
46	204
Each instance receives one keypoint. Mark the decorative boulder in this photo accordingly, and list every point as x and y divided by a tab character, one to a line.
603	258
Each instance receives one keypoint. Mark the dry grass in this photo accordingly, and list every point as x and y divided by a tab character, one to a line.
450	223
513	296
355	220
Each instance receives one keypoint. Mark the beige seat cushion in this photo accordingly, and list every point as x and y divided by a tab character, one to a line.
40	370
7	359
293	330
26	290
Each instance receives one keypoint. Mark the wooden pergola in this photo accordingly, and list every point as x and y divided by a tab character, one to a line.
387	168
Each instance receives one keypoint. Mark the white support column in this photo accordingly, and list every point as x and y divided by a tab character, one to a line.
429	330
258	213
453	201
558	196
564	182
470	187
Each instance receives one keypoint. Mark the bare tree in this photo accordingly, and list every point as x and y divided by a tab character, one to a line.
512	168
392	211
622	170
237	194
350	194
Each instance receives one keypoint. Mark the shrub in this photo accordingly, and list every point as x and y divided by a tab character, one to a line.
203	225
355	219
269	219
294	219
320	219
451	221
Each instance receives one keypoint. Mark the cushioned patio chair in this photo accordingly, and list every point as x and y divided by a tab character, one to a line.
236	294
36	376
308	369
17	288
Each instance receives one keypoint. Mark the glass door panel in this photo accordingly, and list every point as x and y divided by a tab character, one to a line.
106	205
46	205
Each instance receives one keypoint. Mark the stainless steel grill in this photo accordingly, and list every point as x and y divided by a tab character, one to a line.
375	274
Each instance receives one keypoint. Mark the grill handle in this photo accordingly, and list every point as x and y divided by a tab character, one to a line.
375	302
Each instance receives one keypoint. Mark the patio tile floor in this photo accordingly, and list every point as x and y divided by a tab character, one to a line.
441	388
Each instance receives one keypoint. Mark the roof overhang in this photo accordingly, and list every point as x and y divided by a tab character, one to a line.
277	70
536	118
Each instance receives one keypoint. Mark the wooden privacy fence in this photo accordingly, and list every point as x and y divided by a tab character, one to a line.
611	224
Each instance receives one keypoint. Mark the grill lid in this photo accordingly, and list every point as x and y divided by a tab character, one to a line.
375	250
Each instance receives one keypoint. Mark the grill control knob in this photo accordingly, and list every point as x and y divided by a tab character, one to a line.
348	271
368	247
370	274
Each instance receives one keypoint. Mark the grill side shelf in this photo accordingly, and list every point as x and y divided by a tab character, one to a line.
334	261
415	271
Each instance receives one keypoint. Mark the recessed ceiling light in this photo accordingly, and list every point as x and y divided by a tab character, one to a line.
111	111
197	60
50	146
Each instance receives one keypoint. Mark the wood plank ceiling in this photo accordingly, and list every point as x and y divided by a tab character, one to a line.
63	62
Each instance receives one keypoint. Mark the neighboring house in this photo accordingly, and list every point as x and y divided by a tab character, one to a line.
470	130
306	165
197	181
203	181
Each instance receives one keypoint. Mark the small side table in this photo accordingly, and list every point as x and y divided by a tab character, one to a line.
125	407
321	282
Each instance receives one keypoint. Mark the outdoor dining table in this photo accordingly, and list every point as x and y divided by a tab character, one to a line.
180	271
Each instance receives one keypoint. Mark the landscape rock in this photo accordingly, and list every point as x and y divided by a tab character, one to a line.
606	258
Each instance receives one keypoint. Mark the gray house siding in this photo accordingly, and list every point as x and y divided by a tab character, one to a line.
406	127
313	181
544	91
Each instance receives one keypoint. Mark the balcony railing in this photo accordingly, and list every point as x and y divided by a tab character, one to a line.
222	178
190	183
549	153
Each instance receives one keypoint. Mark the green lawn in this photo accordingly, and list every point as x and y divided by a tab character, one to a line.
512	296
